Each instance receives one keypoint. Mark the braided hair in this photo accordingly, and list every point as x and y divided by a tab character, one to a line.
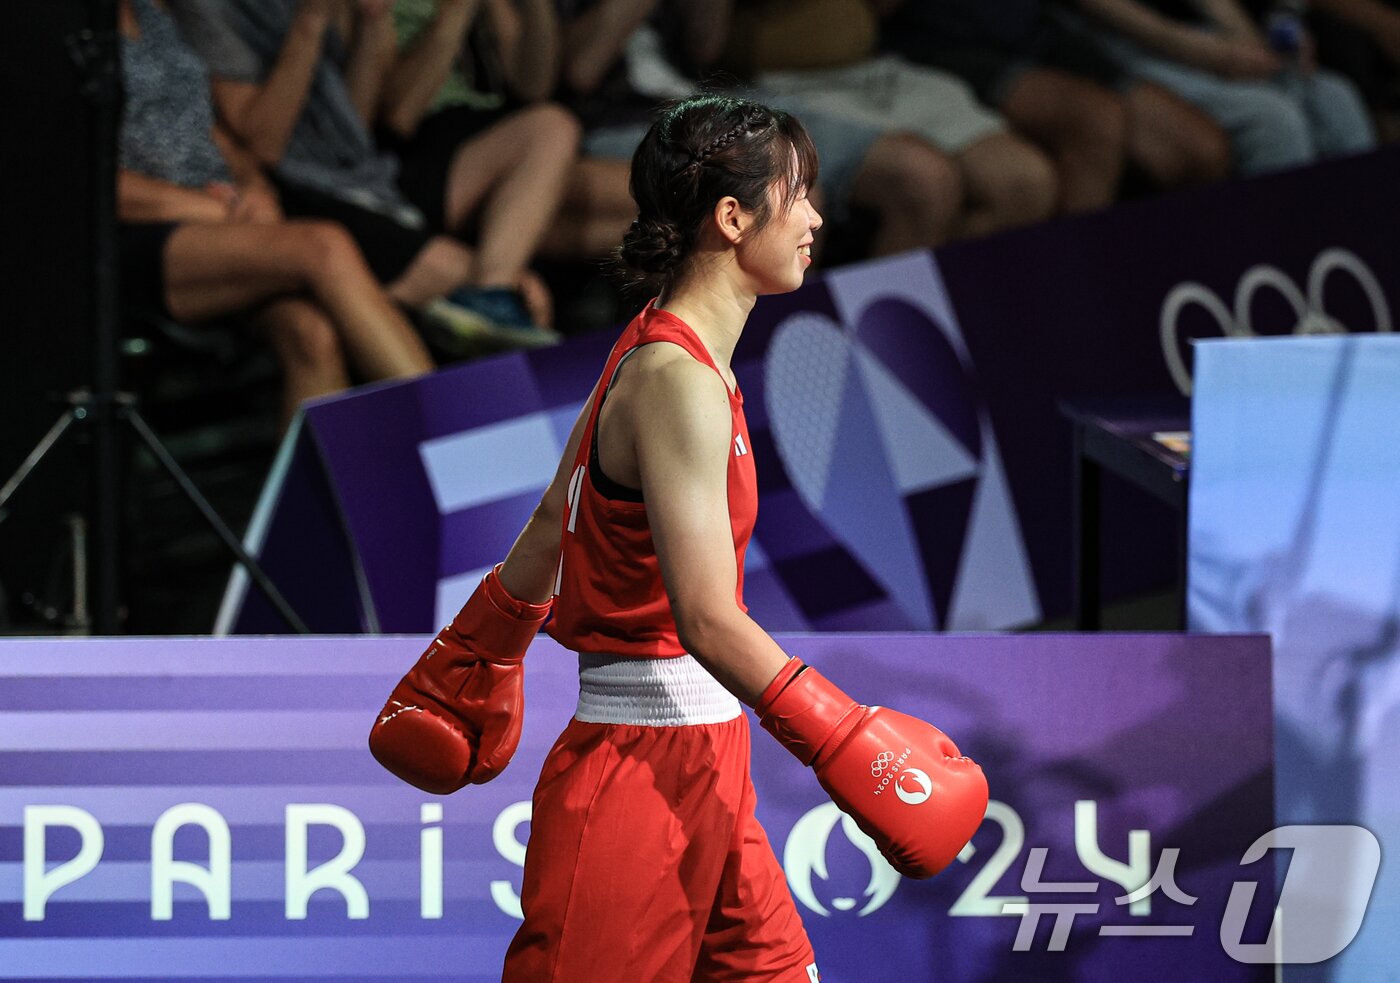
698	151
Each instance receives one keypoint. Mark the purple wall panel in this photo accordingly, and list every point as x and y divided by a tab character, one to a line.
1167	734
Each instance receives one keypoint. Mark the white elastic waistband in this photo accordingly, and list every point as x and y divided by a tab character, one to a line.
650	692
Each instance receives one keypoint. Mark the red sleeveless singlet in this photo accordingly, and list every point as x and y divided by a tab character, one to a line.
609	596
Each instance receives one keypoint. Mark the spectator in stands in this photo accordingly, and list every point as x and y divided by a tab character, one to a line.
1361	39
820	55
1280	110
300	93
1055	82
463	110
202	235
622	57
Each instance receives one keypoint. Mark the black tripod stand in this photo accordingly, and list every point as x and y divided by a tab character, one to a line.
84	407
102	408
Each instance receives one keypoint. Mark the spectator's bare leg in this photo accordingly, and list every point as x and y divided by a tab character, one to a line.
1172	141
597	210
1009	183
220	269
440	267
308	348
534	292
915	190
1083	126
515	174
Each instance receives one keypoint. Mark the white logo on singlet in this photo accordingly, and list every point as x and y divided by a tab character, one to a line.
739	449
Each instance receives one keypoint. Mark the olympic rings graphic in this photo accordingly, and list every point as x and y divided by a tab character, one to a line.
881	762
1312	317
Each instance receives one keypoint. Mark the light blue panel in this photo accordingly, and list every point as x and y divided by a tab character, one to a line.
333	956
913	277
755	558
144	730
922	453
259	805
995	586
1295	530
562	419
252	880
121	657
805	374
452	593
522	453
781	612
864	507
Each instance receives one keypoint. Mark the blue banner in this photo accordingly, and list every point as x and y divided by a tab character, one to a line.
1295	531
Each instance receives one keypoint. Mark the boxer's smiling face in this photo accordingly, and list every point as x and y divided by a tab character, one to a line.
778	255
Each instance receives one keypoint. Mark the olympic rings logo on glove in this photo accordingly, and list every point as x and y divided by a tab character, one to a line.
1310	316
881	762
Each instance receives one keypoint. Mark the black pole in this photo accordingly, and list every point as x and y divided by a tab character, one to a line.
107	485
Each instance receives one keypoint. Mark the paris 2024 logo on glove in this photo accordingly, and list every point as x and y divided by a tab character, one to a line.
912	785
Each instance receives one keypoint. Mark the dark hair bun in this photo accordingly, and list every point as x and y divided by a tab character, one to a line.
697	152
653	247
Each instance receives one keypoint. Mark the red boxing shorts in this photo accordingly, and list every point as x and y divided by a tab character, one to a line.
645	862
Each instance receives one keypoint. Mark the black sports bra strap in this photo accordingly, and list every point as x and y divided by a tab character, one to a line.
602	484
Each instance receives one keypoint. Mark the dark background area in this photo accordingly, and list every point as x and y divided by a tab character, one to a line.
211	396
47	253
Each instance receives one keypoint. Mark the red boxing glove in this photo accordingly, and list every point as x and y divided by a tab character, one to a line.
903	781
455	718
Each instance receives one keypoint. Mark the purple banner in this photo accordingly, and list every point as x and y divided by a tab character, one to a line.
914	468
207	809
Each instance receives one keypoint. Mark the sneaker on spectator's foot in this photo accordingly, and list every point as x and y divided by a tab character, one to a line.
454	331
507	321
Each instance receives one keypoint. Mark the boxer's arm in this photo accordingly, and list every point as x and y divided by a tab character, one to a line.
529	568
682	431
